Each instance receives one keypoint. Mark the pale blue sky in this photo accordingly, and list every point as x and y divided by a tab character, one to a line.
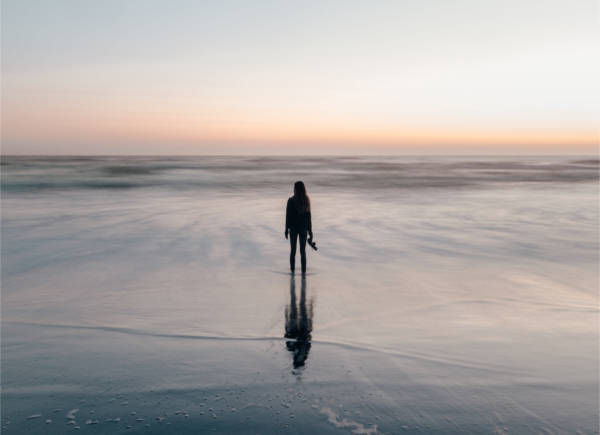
189	77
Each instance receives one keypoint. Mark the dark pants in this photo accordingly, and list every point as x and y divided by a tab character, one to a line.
293	241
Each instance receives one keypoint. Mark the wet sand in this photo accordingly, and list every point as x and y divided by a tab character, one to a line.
162	304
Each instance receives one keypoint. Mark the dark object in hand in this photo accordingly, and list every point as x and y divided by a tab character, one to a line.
312	244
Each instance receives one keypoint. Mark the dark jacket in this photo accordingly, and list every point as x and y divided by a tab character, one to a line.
296	220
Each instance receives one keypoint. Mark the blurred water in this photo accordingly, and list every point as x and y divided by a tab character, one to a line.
442	286
34	174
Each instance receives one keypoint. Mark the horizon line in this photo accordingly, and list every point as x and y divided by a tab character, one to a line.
597	154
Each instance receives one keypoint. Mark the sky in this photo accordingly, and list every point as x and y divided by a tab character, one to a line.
312	77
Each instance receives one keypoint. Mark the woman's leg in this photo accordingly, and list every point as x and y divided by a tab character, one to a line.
293	239
302	236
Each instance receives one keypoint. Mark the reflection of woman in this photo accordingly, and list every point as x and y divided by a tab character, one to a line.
298	325
298	223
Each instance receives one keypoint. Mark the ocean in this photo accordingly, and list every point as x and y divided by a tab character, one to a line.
153	295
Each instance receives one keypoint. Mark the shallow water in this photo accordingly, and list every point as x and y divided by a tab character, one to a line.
447	295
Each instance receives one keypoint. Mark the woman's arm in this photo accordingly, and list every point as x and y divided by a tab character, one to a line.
309	225
287	218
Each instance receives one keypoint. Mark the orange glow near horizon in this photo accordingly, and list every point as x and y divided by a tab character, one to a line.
188	132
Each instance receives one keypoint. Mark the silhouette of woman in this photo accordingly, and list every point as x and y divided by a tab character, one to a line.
298	223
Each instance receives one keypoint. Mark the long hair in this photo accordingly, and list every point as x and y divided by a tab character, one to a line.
302	199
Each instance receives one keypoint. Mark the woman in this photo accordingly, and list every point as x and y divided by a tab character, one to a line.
298	223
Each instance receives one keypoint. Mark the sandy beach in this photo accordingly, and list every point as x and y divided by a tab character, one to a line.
152	295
